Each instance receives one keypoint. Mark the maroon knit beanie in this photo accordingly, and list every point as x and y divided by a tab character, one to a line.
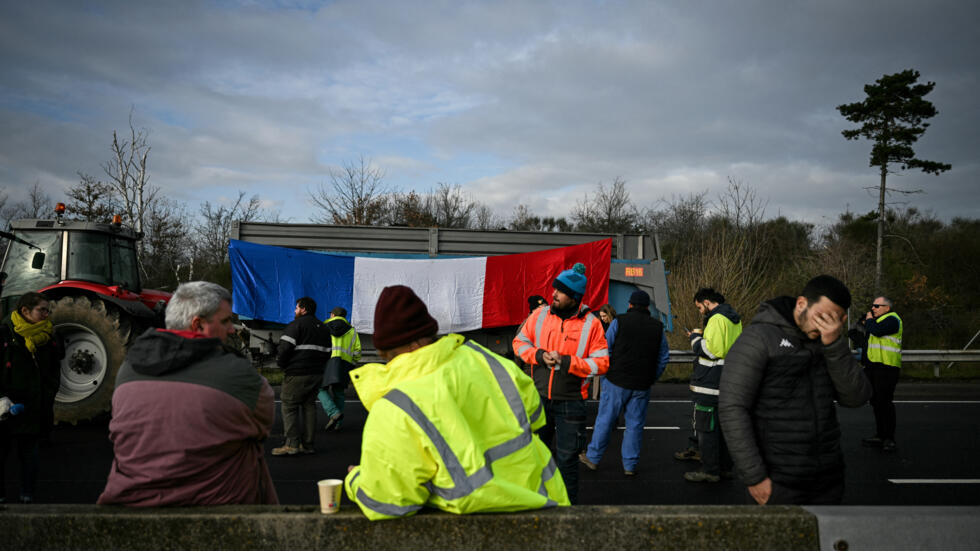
400	317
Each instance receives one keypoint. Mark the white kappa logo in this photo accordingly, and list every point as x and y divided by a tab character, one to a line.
785	344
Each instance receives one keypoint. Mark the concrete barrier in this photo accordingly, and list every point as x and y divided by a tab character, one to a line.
295	528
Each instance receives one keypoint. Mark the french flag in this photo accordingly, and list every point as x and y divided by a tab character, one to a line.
463	294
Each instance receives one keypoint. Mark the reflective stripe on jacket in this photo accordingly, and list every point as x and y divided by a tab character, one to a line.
347	346
886	349
581	343
450	426
720	333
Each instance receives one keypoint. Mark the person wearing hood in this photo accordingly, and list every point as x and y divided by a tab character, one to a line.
189	414
565	349
32	353
345	351
722	326
450	424
778	389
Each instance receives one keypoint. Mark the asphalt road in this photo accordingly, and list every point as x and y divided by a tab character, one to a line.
937	461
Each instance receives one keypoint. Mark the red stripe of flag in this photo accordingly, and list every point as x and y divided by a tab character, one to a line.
511	279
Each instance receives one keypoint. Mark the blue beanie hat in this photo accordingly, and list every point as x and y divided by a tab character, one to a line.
572	282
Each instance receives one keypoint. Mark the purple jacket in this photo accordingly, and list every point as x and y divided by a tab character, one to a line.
188	420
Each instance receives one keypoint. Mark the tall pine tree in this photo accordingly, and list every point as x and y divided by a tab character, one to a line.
893	116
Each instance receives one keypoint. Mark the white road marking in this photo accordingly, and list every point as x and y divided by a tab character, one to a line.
934	480
644	428
937	402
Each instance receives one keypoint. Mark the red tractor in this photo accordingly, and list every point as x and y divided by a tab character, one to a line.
89	272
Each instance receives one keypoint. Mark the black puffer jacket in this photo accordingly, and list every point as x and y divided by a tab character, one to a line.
29	380
304	347
777	400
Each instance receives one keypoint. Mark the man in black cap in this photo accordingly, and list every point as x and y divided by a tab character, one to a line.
638	354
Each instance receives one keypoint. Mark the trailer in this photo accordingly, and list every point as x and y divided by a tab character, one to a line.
636	262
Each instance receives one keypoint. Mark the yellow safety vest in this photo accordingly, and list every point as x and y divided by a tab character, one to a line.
886	349
451	426
347	346
719	336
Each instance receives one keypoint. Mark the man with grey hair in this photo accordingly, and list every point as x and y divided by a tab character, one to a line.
189	414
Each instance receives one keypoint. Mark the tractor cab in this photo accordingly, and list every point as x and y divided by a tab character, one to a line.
90	273
45	253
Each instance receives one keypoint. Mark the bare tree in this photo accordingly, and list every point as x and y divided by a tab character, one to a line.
168	245
128	177
37	205
355	195
609	211
91	199
485	219
741	205
453	209
523	219
214	228
4	211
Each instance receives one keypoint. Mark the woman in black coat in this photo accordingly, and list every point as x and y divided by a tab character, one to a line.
29	375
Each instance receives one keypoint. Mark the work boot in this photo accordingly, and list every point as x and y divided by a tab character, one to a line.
334	422
888	445
873	442
306	450
690	454
629	473
285	450
701	476
585	461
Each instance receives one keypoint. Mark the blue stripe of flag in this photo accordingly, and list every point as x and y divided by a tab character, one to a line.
266	281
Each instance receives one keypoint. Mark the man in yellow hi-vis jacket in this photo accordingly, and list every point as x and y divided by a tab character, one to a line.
882	361
450	424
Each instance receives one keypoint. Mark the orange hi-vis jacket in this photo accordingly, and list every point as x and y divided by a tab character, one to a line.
580	342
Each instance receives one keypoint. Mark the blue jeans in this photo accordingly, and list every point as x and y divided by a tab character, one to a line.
332	400
565	424
613	402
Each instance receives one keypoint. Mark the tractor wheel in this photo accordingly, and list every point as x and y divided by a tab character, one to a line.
95	344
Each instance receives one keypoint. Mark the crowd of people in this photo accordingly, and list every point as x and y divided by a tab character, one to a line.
454	426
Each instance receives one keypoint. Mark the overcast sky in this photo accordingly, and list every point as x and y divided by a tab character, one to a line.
517	102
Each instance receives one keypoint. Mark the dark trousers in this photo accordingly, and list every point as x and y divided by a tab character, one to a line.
27	455
565	425
714	452
824	492
299	408
883	381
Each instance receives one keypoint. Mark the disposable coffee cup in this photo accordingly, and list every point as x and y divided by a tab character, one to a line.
330	494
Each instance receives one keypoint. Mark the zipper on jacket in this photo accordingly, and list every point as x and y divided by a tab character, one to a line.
551	376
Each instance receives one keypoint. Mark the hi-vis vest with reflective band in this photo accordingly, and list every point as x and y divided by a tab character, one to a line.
886	349
711	348
450	426
580	337
346	347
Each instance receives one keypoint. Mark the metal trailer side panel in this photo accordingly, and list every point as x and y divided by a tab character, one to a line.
432	241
